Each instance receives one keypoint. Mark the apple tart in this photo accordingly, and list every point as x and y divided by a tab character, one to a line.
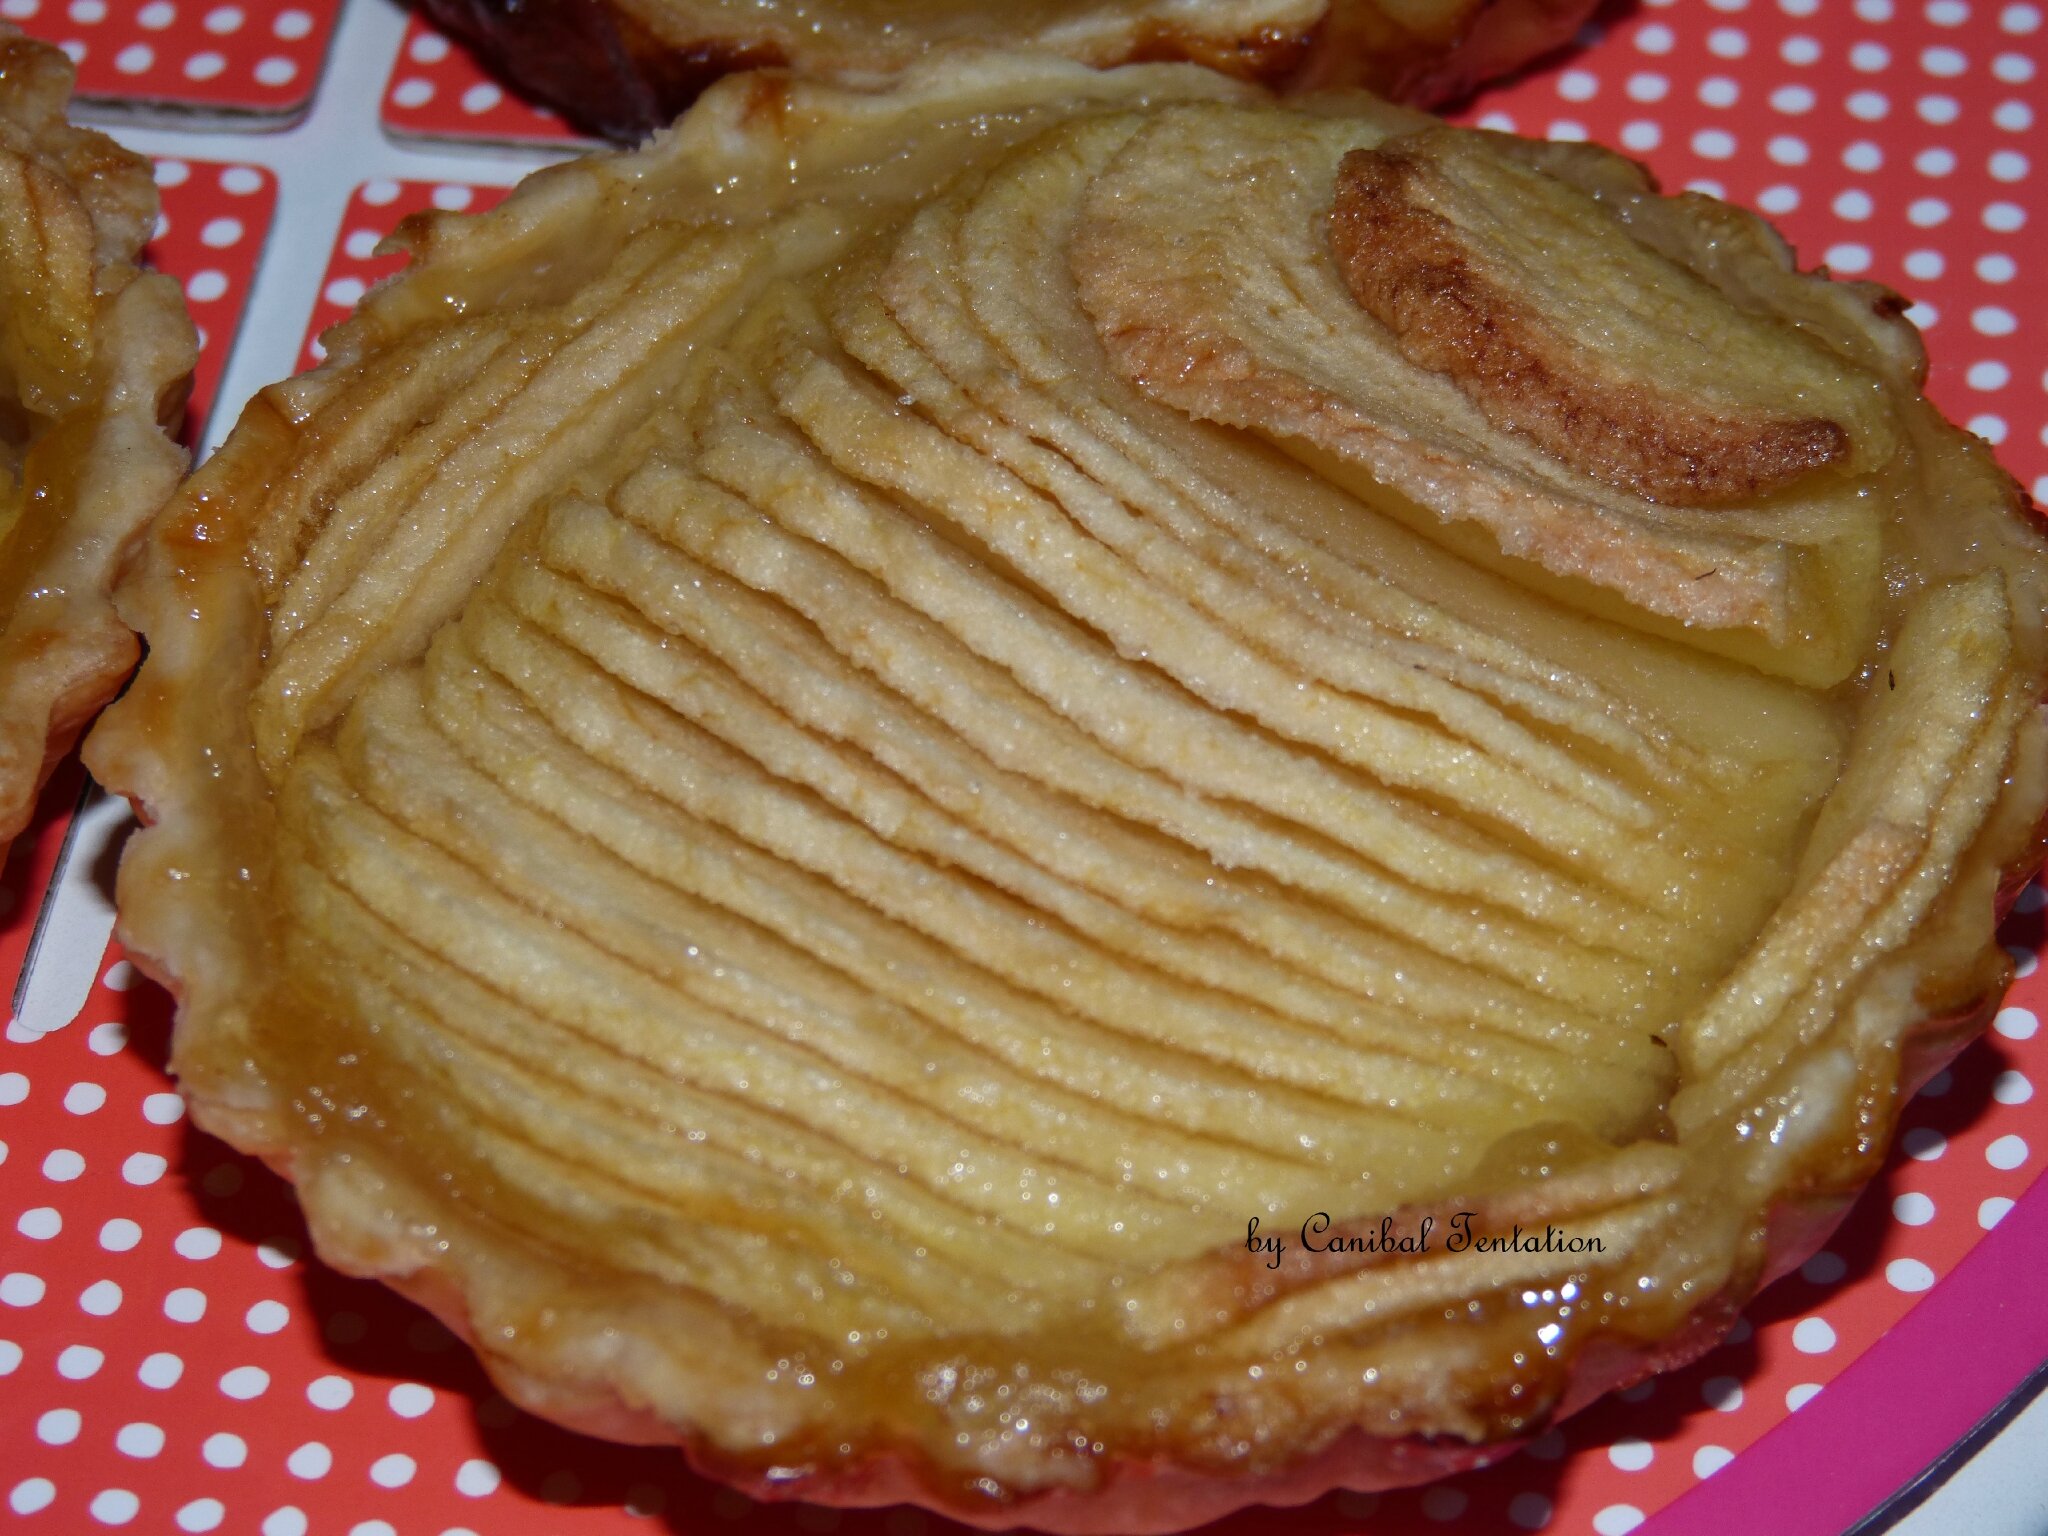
95	358
626	67
1079	797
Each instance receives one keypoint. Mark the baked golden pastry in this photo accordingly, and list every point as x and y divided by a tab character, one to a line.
826	767
95	358
627	67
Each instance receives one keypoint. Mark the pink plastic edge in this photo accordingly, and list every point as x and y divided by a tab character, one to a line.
1899	1407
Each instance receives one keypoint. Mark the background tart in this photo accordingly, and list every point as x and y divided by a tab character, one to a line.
818	759
627	67
95	358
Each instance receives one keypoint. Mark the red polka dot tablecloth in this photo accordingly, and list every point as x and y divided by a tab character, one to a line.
437	90
172	1359
233	58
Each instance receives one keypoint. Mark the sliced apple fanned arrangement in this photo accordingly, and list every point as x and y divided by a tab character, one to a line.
95	360
822	761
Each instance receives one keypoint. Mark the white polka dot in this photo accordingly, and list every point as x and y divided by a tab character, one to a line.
160	1370
453	199
135	59
380	192
1572	85
361	244
108	1039
1923	1144
1990	428
120	1235
2008	165
41	1224
267	1317
1798	1397
1993	320
1908	1275
2019	19
1824	1268
1994	269
1641	136
2013	116
1723	1394
79	1362
1847	259
309	1461
75	51
413	92
2006	1153
1787	150
21	1289
1992	1211
428	48
277	1253
185	1305
13	1088
84	1098
1869	57
224	19
10	1358
1647	87
63	1165
1926	212
241	180
288	1521
1799	50
1655	38
1868	106
1813	1336
59	1426
224	1451
482	97
393	1471
476	1478
1798	7
2011	1087
1935	161
1617	1520
1947	13
275	71
204	66
330	1392
197	1243
1926	266
1778	199
205	287
1863	156
114	1506
1529	1511
220	234
1792	99
1913	1209
169	1108
31	1495
1706	186
1713	144
245	1382
1631	1454
410	1399
372	1528
1728	42
201	1515
1709	1459
1938	109
2013	68
1445	1504
1944	63
141	1441
88	13
101	1299
344	291
1497	122
2004	217
157	15
292	25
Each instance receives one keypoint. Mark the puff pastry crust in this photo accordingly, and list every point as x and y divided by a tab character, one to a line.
95	358
818	760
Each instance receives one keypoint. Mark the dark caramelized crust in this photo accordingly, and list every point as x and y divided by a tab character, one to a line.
623	69
1416	273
